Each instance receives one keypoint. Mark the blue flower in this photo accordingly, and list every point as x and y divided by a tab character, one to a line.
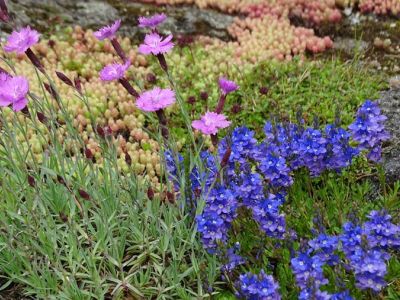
370	270
266	213
218	214
308	272
312	150
233	259
380	231
249	188
339	152
174	165
324	246
275	170
345	295
369	131
258	287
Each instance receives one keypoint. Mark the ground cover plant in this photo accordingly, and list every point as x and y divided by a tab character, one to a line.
281	211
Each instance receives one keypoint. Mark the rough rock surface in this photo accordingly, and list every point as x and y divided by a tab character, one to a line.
390	105
95	13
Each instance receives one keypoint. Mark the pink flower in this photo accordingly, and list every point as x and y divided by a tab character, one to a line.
20	41
227	86
13	90
107	32
152	21
155	99
210	122
155	44
114	71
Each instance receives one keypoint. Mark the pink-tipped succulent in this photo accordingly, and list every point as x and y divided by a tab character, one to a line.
210	123
20	41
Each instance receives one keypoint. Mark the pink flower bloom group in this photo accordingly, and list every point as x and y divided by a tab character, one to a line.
155	99
13	91
227	86
211	122
152	21
114	71
20	41
107	32
156	44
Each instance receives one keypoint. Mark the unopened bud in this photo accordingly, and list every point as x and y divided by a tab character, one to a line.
84	194
150	193
31	181
128	159
204	96
88	154
170	197
64	78
78	85
151	78
264	90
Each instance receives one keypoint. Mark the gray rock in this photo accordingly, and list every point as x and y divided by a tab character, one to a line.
350	46
96	13
390	105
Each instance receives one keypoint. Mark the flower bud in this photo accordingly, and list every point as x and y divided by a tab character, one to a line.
84	194
150	193
264	90
63	217
204	96
31	181
151	78
64	78
191	100
88	154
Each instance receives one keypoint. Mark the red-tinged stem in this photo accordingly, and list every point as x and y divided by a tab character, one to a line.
163	123
125	83
221	104
163	62
214	140
118	49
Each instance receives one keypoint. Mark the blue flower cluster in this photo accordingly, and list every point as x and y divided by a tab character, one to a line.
218	214
266	213
256	175
364	247
369	131
249	187
258	287
309	276
233	259
202	181
324	247
339	152
381	232
174	166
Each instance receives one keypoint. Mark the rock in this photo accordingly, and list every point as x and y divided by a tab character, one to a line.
93	14
390	106
350	46
394	82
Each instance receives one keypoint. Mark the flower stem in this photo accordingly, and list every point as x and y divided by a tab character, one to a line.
163	123
118	49
125	83
221	104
